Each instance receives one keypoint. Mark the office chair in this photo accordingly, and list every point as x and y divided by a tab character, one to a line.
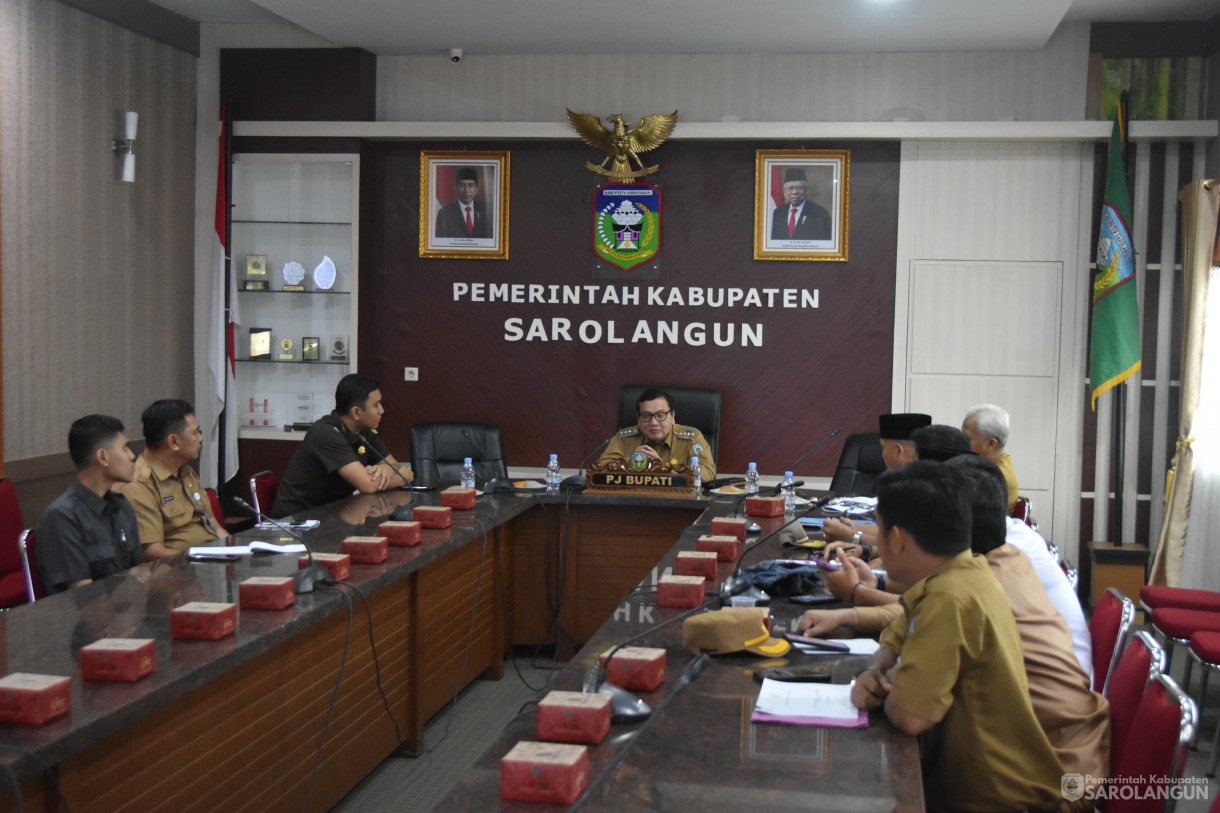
437	450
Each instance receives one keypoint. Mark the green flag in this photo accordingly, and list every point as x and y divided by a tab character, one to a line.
1115	349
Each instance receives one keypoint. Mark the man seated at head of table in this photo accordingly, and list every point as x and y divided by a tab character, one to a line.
342	452
173	509
659	436
952	668
90	532
897	449
987	426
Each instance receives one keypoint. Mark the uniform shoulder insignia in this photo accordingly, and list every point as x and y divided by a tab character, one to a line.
687	433
629	432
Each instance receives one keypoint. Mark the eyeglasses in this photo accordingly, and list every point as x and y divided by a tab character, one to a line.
649	417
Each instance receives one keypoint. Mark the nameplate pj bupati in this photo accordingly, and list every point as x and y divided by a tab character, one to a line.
622	476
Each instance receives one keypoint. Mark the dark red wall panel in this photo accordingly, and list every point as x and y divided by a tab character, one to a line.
816	369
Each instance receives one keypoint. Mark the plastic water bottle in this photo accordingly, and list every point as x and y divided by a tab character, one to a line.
552	474
696	474
789	494
752	479
467	473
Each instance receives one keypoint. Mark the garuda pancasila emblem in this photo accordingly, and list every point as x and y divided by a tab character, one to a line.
622	146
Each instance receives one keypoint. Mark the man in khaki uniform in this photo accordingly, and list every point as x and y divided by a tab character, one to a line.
960	680
171	505
661	438
987	426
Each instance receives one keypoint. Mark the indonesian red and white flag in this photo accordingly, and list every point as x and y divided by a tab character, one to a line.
222	328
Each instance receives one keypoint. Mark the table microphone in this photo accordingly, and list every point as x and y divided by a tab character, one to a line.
735	585
577	480
625	706
306	578
692	671
816	446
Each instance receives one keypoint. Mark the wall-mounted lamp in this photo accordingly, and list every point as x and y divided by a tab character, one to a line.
126	146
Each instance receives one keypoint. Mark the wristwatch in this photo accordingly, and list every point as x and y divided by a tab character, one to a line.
857	537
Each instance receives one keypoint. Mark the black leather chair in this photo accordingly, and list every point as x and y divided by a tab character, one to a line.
695	407
437	450
859	464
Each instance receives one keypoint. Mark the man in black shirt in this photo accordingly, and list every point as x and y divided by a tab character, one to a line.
90	532
342	452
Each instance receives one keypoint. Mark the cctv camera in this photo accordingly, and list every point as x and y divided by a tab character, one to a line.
455	54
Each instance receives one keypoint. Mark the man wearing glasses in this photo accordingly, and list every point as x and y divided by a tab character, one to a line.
659	436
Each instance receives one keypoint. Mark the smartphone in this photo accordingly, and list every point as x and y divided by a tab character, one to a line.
794	674
305	525
812	598
813	522
817	643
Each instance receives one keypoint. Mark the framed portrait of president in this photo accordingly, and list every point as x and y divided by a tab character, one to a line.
801	204
463	205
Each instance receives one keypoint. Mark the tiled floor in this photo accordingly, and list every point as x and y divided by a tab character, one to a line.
455	739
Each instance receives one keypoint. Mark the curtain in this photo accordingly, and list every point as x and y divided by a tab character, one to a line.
1187	554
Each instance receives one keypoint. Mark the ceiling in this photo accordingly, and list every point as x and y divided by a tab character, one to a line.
394	27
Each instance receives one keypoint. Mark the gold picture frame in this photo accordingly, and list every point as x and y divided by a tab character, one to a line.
444	176
817	231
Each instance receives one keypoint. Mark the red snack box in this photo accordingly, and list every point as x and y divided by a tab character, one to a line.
727	548
680	591
639	668
730	526
546	772
119	659
765	506
203	620
459	497
697	563
266	593
367	550
401	532
574	717
339	564
33	699
433	516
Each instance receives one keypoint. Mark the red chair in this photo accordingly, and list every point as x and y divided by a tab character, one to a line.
1176	626
34	588
1141	659
1205	648
1023	510
263	488
12	577
1166	720
1158	596
1108	628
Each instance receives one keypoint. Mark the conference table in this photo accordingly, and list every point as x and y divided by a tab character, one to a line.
236	724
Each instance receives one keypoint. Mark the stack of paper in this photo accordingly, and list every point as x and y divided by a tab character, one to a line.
820	704
227	551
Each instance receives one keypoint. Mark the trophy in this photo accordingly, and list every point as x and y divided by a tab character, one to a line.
260	342
338	347
309	348
256	272
293	273
324	274
287	350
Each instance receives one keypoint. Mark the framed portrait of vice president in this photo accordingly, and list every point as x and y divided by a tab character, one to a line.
801	204
463	205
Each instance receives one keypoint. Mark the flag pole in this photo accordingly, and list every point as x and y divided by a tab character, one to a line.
227	145
1119	425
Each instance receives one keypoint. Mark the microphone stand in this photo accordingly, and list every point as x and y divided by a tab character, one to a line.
406	483
305	579
816	446
734	584
577	480
692	671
